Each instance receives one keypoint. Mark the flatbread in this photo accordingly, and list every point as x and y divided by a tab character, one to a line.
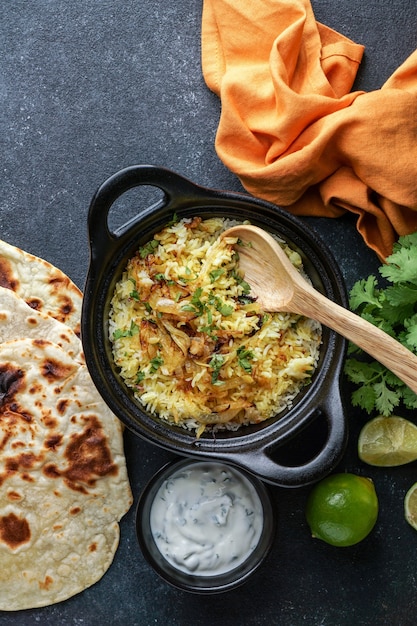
63	479
43	286
18	320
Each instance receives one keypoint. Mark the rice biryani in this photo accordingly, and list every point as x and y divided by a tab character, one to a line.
191	341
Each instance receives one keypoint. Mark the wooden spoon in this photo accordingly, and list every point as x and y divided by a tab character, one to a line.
278	286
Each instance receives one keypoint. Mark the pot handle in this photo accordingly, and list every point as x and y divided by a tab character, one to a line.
172	184
263	464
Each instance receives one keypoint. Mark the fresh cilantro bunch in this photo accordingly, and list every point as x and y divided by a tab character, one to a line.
393	308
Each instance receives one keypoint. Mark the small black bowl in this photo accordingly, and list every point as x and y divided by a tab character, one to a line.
296	447
195	582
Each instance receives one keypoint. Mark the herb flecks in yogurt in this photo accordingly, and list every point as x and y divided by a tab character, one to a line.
206	519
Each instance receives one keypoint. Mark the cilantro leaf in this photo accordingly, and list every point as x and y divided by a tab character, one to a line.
245	357
381	320
364	292
127	332
378	388
149	248
215	274
364	397
410	336
386	399
401	266
400	295
216	363
223	308
240	281
196	305
361	372
394	315
155	363
409	398
406	241
173	220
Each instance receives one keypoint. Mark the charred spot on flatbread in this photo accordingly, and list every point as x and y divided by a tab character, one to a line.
14	530
7	279
34	303
87	456
54	370
53	441
11	379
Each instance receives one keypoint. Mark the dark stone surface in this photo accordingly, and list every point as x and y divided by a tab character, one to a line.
88	88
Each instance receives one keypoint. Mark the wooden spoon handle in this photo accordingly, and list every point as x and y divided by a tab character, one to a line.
384	348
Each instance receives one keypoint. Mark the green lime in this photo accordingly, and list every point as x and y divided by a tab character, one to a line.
388	441
342	509
410	506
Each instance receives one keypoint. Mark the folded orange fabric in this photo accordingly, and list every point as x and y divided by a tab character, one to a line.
291	129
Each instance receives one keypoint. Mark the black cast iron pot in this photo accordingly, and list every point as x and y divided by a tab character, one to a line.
295	448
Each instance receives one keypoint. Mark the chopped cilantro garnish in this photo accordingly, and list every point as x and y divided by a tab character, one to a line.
189	307
149	248
210	331
215	274
174	220
189	276
216	363
224	309
156	363
245	286
196	305
244	357
128	332
197	295
240	281
219	305
134	293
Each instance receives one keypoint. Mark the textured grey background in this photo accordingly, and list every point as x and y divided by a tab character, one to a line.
88	87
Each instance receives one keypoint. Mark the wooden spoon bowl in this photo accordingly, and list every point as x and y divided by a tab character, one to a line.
278	286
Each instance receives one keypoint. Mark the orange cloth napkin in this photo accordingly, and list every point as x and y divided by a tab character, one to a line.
292	130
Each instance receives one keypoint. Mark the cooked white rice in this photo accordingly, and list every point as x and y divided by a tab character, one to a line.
191	341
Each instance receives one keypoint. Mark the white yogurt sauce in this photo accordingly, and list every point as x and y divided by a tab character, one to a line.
206	519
